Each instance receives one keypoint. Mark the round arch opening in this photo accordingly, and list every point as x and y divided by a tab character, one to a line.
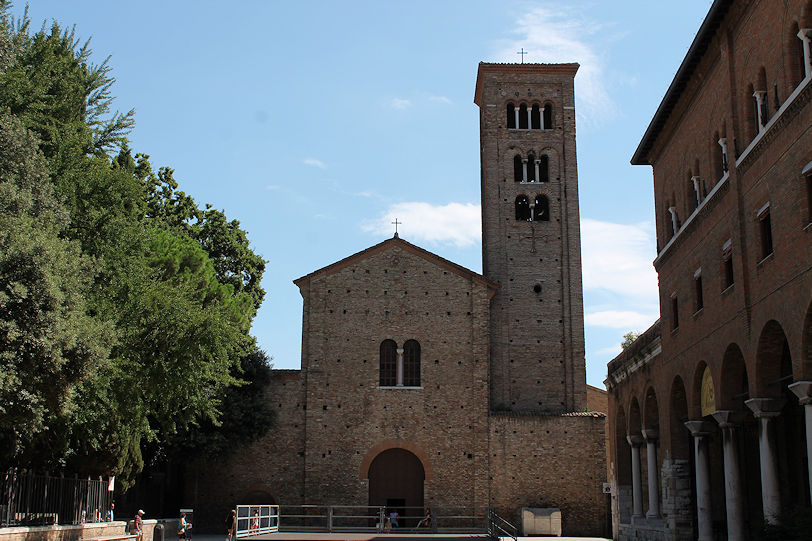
396	478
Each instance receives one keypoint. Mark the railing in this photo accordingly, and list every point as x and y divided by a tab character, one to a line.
256	520
29	499
499	527
362	518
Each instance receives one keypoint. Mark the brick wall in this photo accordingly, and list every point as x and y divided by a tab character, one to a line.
550	461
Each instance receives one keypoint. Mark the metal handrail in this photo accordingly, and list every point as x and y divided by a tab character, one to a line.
498	525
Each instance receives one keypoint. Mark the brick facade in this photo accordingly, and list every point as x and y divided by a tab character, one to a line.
746	333
497	417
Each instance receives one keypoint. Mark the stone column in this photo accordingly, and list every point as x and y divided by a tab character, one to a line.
529	118
803	390
635	442
760	96
704	518
516	114
696	180
653	485
524	169
538	163
765	410
806	36
399	367
728	422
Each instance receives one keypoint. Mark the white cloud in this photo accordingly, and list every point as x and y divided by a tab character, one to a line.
454	223
400	103
618	258
562	34
314	163
441	99
619	319
273	187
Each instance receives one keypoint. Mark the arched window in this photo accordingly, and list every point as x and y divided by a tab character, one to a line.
750	113
522	208
523	117
541	209
544	168
511	116
691	195
411	363
531	168
535	117
548	117
388	364
717	153
517	168
797	68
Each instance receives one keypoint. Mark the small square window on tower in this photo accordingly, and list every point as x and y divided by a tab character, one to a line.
765	230
699	302
727	264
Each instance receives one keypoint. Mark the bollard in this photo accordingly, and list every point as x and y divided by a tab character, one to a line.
158	533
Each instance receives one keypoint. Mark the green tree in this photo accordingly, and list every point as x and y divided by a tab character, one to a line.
48	341
629	338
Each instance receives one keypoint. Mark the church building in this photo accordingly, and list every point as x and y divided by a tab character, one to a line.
426	384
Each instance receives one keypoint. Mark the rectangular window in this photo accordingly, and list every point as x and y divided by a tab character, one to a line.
809	199
674	312
727	265
765	231
700	303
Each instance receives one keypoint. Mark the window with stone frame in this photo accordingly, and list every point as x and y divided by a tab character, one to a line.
727	265
547	123
511	116
699	301
674	312
411	363
535	117
388	364
765	231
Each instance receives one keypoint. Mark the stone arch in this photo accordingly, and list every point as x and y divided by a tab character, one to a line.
733	385
397	481
363	472
635	419
695	406
623	458
553	163
773	361
678	414
651	411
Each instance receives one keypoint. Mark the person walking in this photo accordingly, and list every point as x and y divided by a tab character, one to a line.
139	524
231	525
184	527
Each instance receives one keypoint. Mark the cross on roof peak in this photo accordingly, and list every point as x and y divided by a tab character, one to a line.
396	223
522	52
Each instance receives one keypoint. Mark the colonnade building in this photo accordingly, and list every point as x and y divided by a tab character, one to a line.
710	410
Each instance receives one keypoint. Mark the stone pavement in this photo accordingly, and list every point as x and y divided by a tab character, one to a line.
348	536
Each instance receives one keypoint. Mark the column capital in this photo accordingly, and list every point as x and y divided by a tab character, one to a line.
759	95
698	427
634	440
728	418
650	435
805	33
802	389
524	160
399	351
765	407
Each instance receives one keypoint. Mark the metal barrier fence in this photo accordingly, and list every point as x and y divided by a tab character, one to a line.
256	520
367	518
29	499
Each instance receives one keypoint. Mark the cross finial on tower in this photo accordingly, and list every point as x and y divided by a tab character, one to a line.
522	52
396	223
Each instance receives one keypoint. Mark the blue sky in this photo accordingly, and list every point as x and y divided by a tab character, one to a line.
316	123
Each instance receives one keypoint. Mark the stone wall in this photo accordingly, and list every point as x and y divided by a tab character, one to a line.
72	532
550	461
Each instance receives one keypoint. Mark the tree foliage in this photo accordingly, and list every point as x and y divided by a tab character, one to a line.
125	308
629	338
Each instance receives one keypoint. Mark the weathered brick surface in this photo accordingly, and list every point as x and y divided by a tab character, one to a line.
550	461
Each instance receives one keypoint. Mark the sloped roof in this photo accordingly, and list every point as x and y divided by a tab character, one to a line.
397	242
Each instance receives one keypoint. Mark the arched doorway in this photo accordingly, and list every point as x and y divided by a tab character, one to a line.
396	481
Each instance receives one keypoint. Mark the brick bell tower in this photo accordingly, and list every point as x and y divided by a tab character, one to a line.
531	241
